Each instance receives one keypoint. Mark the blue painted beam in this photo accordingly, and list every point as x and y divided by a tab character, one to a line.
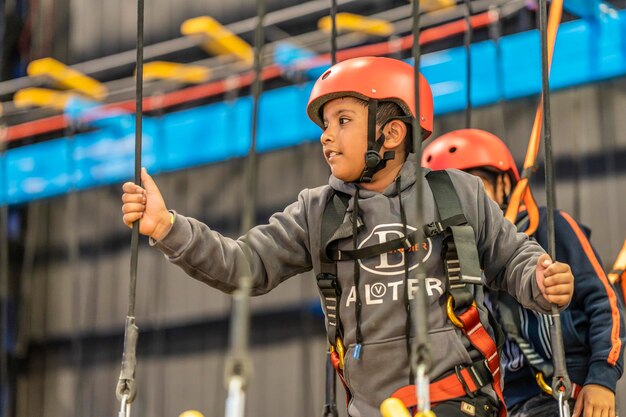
586	51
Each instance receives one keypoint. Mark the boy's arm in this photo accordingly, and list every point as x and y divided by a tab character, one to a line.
276	251
594	295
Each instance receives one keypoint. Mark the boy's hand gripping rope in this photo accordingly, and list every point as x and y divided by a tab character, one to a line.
126	389
561	383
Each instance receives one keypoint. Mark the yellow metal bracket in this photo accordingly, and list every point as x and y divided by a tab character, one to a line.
41	97
218	39
161	70
67	77
349	22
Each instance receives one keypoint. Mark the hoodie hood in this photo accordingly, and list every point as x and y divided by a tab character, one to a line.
406	176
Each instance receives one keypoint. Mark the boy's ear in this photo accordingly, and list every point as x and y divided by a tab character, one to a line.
395	132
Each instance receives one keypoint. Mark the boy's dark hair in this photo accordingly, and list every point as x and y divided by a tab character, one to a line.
387	111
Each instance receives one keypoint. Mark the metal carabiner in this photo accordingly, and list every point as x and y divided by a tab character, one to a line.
543	384
340	349
451	314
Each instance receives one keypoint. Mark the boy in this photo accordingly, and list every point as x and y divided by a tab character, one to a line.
593	333
365	263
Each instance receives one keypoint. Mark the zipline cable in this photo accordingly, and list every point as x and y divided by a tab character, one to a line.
126	389
561	384
238	366
495	33
72	225
333	32
421	360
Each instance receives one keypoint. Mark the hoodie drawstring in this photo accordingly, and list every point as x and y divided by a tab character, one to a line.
407	304
357	268
357	276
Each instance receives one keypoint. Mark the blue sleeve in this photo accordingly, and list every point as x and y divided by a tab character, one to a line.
597	298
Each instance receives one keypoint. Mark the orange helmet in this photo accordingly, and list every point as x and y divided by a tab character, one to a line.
469	148
373	78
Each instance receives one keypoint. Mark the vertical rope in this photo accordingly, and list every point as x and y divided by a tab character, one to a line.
420	361
333	32
126	388
71	215
251	162
561	385
467	14
495	33
238	367
134	245
330	401
6	395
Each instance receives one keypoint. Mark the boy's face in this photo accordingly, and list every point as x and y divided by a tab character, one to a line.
495	189
344	140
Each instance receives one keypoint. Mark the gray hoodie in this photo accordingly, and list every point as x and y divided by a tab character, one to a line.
290	244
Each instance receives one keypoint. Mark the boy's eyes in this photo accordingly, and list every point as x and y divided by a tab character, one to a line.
342	120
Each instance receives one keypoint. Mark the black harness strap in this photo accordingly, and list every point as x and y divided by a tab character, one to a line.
508	310
404	242
327	283
459	249
509	313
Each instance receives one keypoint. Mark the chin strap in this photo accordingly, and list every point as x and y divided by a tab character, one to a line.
374	162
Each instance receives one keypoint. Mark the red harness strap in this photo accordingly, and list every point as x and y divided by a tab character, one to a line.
462	382
334	359
442	390
482	341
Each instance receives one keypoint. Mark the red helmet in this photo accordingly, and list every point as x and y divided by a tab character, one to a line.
469	148
383	79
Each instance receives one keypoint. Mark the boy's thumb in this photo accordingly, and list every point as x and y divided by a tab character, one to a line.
146	179
545	260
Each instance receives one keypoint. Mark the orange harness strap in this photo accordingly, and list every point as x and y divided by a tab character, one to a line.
463	382
482	341
334	359
442	390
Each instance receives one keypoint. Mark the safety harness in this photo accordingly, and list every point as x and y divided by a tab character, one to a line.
510	320
460	255
508	311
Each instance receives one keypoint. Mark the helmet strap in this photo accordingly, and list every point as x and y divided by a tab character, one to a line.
373	161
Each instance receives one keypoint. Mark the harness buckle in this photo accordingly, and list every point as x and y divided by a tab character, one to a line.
457	372
327	281
433	229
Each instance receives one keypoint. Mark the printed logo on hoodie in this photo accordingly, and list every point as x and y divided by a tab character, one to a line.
391	265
